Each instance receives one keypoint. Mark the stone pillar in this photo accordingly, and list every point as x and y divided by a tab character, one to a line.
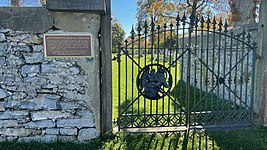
106	76
260	98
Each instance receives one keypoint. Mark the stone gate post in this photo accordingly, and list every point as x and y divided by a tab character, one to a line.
260	96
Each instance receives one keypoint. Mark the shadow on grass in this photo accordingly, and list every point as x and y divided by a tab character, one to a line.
249	139
199	99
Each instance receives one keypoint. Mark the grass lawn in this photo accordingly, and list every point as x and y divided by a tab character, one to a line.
249	139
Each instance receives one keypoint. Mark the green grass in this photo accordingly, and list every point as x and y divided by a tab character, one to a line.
249	139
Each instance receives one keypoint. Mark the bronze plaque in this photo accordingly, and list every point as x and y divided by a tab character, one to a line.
68	45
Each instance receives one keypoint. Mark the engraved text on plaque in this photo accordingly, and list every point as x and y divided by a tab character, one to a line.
68	45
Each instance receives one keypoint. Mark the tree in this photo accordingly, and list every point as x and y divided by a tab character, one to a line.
117	34
15	3
163	11
242	11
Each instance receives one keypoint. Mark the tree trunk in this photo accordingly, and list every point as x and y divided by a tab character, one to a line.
242	12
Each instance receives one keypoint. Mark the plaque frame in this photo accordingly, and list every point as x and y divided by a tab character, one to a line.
68	35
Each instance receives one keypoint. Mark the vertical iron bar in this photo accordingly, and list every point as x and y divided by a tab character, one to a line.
219	62
242	70
145	27
224	65
158	57
152	55
139	63
182	65
230	73
201	64
247	71
213	62
207	64
119	86
170	59
191	28
253	78
126	76
176	64
236	68
158	44
195	69
132	37
164	58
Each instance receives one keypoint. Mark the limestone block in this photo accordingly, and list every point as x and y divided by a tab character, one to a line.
2	37
19	132
11	138
49	68
44	101
40	124
14	114
39	138
38	48
68	131
3	49
27	69
22	48
32	58
9	123
67	138
43	115
33	19
19	37
32	40
52	131
85	113
3	94
75	70
88	134
2	108
72	105
56	79
79	123
2	61
3	30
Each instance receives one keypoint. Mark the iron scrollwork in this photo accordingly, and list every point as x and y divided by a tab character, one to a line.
154	81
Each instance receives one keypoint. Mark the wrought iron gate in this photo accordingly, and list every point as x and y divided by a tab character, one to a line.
192	72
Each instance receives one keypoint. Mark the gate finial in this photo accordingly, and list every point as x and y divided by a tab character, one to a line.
220	24
132	32
152	24
214	23
225	27
184	19
208	22
146	27
202	22
139	29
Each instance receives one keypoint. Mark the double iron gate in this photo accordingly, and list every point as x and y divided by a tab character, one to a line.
190	73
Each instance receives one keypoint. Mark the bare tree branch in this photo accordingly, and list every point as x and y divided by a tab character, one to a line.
202	3
188	3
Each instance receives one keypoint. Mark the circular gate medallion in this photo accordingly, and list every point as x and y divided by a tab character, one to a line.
154	81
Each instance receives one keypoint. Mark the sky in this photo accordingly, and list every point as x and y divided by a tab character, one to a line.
125	11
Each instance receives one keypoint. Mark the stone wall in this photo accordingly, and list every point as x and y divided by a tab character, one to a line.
46	99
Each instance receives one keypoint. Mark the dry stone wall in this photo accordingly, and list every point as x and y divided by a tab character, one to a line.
40	98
